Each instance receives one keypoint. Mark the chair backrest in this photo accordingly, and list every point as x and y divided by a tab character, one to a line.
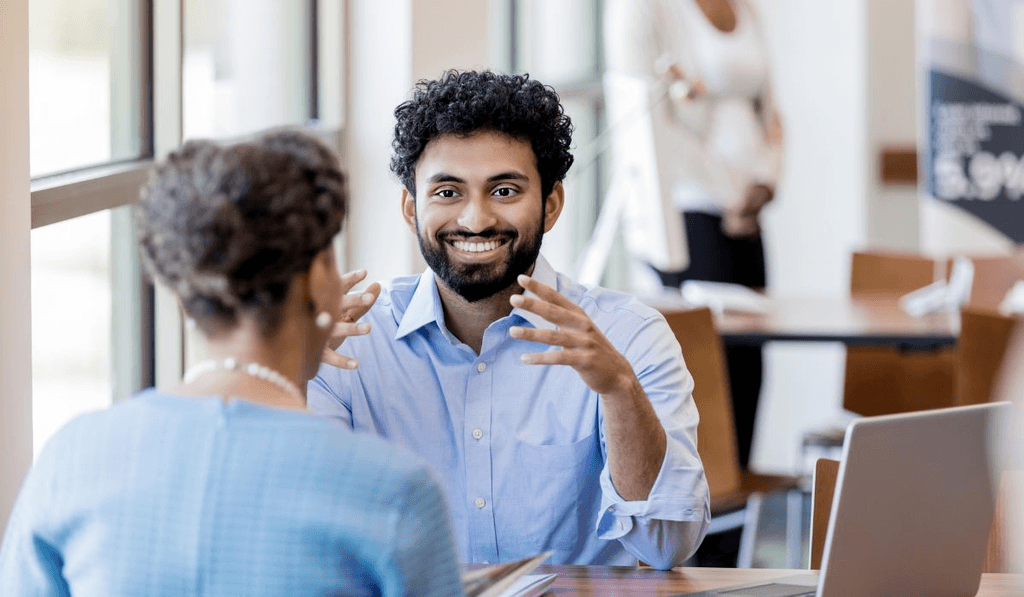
877	272
993	278
825	473
716	434
880	381
983	341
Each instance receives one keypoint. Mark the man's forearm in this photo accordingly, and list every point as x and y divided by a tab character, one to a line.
635	440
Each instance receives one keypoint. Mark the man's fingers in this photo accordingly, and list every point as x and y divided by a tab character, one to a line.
546	292
553	313
563	338
356	304
552	357
343	330
332	358
350	279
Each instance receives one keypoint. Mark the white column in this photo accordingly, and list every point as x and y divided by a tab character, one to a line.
15	226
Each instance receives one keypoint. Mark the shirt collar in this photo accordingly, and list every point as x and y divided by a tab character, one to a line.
425	305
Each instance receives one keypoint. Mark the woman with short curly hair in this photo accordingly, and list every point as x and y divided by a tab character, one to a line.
224	484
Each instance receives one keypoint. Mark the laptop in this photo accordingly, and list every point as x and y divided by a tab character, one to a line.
913	508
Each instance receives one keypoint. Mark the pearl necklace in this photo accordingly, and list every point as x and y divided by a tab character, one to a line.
252	369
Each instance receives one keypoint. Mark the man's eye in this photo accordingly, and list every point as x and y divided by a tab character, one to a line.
446	193
504	191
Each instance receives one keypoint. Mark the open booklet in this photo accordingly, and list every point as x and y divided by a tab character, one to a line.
511	579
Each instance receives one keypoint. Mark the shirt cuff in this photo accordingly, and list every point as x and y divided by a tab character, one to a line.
680	493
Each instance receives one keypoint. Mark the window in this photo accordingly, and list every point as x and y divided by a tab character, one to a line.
247	66
113	84
71	317
83	83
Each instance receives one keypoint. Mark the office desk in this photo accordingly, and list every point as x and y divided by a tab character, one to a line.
602	580
863	321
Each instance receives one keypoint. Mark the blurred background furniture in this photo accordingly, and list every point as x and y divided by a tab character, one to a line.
736	494
994	275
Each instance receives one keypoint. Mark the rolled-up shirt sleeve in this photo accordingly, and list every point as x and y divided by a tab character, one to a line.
666	528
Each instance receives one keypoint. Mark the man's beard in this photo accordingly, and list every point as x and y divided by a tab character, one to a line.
476	281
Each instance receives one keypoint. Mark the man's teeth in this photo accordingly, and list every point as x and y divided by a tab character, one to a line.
476	247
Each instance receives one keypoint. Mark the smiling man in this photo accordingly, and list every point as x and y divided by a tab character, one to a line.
559	417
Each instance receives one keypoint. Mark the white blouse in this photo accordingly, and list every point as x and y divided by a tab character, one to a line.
712	148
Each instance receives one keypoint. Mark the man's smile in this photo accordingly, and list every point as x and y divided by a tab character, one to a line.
477	246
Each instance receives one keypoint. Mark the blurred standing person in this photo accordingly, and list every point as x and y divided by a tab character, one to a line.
708	57
224	484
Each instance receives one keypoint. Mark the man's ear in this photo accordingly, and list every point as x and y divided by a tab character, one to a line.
409	209
553	206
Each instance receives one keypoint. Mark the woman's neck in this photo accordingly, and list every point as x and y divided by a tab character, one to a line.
245	344
721	13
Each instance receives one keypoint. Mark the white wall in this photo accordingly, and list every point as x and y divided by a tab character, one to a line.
15	225
892	211
818	50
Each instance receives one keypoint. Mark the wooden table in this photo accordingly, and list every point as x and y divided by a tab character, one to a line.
603	580
864	321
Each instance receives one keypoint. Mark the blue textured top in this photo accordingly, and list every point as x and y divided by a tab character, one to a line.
520	449
164	495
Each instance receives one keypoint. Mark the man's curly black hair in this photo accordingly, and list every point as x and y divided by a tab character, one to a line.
463	103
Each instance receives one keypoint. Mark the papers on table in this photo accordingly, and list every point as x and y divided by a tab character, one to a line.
942	295
720	296
509	579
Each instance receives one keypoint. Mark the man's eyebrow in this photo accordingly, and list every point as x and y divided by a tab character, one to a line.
444	177
511	175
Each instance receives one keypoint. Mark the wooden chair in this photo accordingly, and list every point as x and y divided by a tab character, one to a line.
735	493
984	337
825	473
880	381
993	278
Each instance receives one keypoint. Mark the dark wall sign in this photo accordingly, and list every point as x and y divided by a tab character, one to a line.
977	152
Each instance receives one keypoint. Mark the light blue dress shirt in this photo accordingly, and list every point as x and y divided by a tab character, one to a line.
520	449
163	495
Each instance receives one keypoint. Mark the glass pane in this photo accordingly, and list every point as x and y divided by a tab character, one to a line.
71	317
247	66
83	83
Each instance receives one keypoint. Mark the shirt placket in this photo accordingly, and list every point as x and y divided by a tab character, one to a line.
477	442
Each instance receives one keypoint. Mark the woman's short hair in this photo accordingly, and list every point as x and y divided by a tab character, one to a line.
228	228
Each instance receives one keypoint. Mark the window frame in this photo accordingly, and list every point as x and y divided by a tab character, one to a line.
150	346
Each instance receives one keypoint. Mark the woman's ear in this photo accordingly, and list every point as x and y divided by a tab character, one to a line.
553	206
323	282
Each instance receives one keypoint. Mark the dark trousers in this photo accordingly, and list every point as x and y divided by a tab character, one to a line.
715	257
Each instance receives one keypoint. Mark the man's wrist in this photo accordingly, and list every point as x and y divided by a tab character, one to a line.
626	388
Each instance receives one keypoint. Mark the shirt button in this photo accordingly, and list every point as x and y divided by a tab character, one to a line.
481	367
480	502
477	434
611	508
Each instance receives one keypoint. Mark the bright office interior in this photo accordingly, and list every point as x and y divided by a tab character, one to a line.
114	83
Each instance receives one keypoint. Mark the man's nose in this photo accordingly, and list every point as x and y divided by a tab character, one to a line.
477	215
